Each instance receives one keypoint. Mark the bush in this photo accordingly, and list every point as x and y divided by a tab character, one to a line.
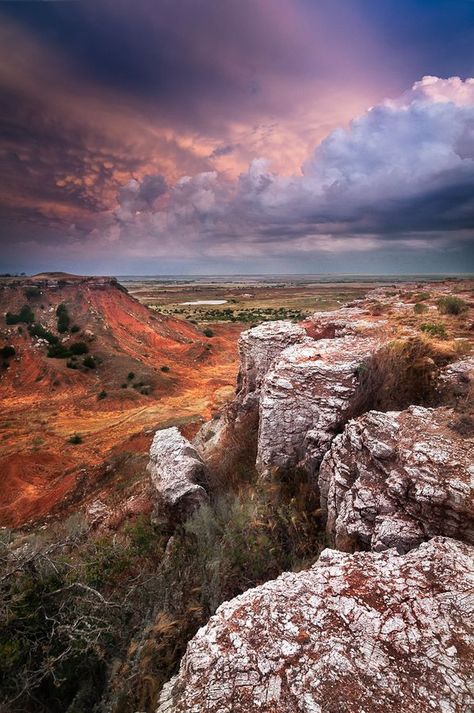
25	315
208	332
75	328
32	293
434	330
37	330
89	362
75	439
101	395
124	386
71	364
422	296
58	351
165	369
420	308
78	348
63	318
130	375
7	352
451	305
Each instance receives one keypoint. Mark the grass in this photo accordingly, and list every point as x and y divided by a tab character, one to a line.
436	330
450	304
398	375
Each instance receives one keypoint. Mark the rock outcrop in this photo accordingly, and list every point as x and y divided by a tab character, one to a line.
300	379
396	479
258	347
304	400
177	473
366	632
456	381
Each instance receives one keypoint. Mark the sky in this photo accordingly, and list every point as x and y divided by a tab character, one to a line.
237	136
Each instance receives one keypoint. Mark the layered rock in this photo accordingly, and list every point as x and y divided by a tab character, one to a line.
177	473
367	632
396	479
304	399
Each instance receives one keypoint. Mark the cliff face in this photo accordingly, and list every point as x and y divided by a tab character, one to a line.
388	629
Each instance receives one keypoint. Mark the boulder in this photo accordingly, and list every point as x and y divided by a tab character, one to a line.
177	474
369	632
304	400
396	479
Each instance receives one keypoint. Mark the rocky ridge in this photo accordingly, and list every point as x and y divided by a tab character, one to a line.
365	632
370	631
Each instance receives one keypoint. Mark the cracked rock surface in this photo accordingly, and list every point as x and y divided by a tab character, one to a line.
177	474
304	398
368	632
396	479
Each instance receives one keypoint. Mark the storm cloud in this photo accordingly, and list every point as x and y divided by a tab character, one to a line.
218	136
402	173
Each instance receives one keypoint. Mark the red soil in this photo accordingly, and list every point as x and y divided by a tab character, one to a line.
43	402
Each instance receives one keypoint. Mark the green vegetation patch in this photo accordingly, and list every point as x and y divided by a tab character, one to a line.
450	304
25	315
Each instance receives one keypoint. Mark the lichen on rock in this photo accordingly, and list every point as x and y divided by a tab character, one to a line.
365	632
396	479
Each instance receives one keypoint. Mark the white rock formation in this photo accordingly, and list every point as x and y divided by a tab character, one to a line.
261	347
456	380
361	633
304	398
177	474
396	479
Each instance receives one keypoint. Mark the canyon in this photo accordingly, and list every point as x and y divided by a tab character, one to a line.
297	536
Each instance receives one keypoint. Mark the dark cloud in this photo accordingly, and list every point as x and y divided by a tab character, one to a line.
144	126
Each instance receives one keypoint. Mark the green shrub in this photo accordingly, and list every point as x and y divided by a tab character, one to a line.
165	369
450	304
208	332
25	315
75	328
58	351
420	308
75	439
89	362
32	293
422	296
434	330
130	375
63	318
37	330
78	348
101	395
7	352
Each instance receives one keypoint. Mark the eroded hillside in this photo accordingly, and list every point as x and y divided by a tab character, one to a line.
115	371
309	548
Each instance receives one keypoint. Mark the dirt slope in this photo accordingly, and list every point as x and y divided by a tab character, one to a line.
44	401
